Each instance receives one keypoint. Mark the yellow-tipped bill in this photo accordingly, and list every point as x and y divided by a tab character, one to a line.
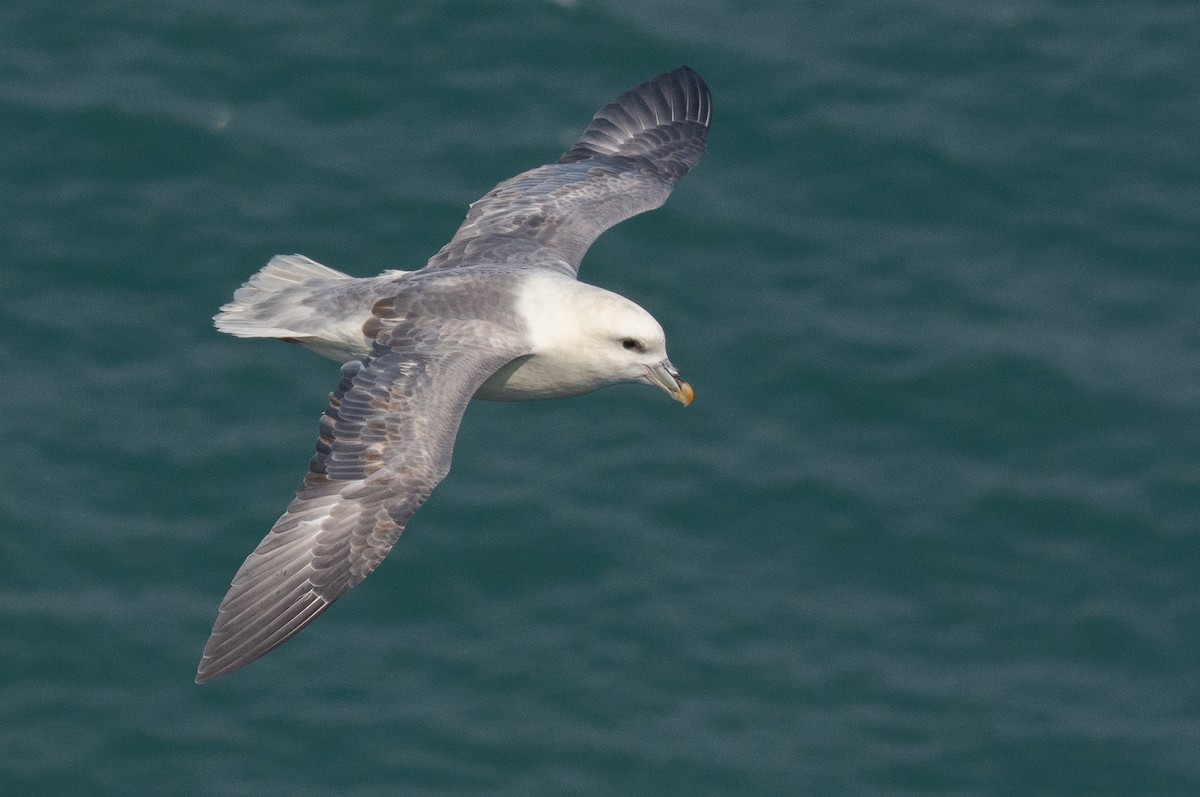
664	375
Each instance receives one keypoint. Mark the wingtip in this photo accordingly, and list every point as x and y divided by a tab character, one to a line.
207	672
683	70
212	668
683	93
628	125
203	674
203	677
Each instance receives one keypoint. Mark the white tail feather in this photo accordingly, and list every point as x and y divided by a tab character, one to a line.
305	302
268	305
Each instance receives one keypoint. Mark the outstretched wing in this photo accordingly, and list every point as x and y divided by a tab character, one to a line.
627	161
385	442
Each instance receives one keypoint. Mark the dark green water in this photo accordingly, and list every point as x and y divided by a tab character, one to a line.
930	526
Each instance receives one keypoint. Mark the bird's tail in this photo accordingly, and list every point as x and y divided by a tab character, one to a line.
301	301
271	304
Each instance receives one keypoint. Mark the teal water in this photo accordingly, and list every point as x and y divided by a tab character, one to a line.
930	526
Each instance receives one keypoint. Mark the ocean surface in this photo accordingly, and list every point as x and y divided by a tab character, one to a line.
929	528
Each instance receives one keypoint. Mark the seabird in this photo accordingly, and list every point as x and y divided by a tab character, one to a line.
497	314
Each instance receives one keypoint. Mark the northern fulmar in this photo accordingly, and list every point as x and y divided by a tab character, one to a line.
497	314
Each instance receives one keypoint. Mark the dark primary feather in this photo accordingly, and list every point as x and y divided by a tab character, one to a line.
627	162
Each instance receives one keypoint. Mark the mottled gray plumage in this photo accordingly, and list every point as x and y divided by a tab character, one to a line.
496	313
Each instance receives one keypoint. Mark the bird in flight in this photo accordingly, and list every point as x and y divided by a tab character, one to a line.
497	314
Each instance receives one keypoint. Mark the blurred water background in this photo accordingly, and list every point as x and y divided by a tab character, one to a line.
930	526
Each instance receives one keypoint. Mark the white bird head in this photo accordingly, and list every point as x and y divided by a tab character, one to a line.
585	338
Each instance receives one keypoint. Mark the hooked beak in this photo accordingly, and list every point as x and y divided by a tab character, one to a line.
664	375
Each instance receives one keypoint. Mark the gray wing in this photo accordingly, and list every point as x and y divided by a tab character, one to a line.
385	442
627	161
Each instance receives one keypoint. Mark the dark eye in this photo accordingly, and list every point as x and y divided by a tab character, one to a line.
632	345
